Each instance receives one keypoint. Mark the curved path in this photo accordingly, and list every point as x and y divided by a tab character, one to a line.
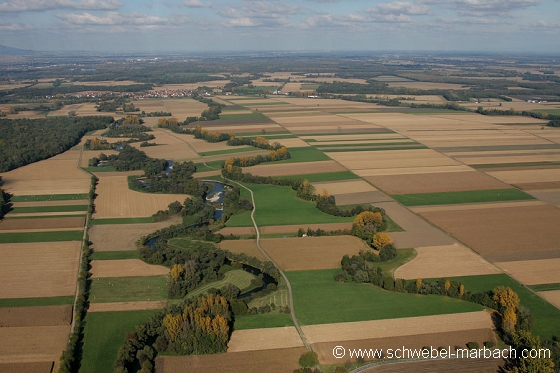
288	285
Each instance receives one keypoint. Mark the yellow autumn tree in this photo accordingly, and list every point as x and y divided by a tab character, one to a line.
172	324
447	285
507	301
176	271
418	284
380	240
366	218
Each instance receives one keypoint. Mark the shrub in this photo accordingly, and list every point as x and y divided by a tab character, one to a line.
308	359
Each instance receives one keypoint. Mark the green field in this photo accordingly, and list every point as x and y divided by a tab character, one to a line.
546	317
49	197
104	333
237	277
549	111
128	289
187	243
327	176
200	167
470	196
370	148
319	299
41	236
122	221
305	154
545	287
115	255
309	86
276	205
233	150
32	209
16	217
403	256
267	320
32	302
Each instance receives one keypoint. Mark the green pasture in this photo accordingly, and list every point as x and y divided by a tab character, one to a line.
238	277
115	255
33	209
128	289
49	197
470	196
276	205
319	299
20	237
104	333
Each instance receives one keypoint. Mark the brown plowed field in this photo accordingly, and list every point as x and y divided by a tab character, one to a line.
539	186
363	197
42	224
478	206
308	253
284	169
436	182
445	261
528	158
265	361
248	247
127	306
125	268
498	231
410	170
46	269
443	366
528	176
447	340
342	187
121	237
56	175
533	272
116	200
35	316
552	296
39	367
264	339
34	343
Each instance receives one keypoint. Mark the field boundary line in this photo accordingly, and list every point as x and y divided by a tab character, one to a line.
288	285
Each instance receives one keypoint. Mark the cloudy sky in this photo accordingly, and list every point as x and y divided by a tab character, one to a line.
298	25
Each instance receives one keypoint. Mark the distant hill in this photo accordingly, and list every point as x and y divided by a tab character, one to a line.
10	51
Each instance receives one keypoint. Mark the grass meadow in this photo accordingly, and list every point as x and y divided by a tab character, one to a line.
49	197
104	333
19	237
319	299
128	289
470	196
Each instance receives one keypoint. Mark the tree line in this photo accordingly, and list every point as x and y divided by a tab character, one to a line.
25	141
4	200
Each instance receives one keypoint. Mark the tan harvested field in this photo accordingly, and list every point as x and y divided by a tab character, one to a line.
528	176
309	253
436	182
80	110
312	121
362	197
435	340
123	237
498	233
184	107
72	202
169	146
295	168
292	87
127	306
445	261
33	344
291	143
539	186
406	326
553	297
527	158
426	85
41	224
125	268
89	154
240	128
533	272
392	159
116	200
401	141
200	145
31	367
551	196
56	175
248	247
343	187
35	316
264	339
265	361
411	170
48	269
416	98
343	138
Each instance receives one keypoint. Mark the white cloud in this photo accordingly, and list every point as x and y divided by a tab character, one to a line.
253	13
112	18
485	7
188	4
41	5
4	26
401	8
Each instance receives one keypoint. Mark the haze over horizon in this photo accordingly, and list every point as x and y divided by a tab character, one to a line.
286	25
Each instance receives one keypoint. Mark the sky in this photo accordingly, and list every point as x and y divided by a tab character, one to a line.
523	26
